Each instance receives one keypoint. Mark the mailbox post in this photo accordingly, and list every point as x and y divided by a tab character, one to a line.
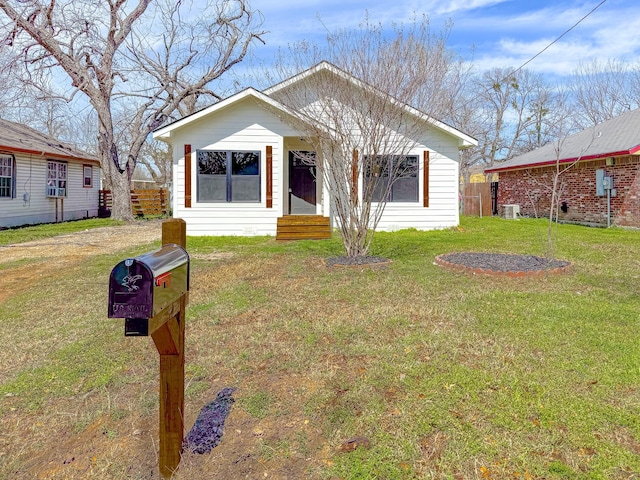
151	293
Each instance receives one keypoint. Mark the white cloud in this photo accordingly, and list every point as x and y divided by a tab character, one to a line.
503	32
453	6
600	36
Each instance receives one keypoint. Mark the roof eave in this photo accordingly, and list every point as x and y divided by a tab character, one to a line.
44	153
323	65
164	133
564	161
465	141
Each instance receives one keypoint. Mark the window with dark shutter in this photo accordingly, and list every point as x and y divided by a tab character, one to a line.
228	176
395	176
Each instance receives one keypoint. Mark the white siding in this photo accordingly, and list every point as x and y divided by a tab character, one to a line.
443	210
245	125
32	206
443	200
241	126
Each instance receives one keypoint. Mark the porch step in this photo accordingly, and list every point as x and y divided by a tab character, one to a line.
303	227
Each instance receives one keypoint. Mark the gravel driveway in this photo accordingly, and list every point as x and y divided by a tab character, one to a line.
85	243
45	256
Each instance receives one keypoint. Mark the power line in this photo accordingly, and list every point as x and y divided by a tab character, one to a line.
557	39
550	44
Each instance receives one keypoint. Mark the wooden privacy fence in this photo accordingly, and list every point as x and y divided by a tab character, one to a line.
477	199
143	201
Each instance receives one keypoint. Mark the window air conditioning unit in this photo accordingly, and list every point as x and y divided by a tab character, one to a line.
511	212
55	192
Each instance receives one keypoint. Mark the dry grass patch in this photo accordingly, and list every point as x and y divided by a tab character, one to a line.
447	376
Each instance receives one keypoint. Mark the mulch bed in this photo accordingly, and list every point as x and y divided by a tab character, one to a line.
510	265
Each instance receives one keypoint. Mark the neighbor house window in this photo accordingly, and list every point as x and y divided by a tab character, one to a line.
87	176
56	179
228	176
395	176
7	176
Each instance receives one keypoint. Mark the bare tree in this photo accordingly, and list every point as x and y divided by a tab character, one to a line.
6	73
362	130
513	108
603	91
157	159
147	63
555	189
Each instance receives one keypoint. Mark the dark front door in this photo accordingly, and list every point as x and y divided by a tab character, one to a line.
302	183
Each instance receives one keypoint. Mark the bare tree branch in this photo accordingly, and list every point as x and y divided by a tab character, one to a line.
110	51
363	129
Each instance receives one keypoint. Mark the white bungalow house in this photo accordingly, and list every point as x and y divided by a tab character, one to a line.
236	171
43	180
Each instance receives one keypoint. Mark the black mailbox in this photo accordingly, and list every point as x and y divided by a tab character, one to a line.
141	287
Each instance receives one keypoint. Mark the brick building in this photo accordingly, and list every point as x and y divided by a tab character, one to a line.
600	179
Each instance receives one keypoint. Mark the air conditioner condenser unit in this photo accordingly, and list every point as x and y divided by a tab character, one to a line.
511	212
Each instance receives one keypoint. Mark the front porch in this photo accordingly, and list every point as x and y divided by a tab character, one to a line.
303	227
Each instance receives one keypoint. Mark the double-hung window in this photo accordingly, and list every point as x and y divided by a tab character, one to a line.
394	178
56	179
87	176
7	176
228	176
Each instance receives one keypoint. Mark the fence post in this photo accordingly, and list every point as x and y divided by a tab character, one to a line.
163	208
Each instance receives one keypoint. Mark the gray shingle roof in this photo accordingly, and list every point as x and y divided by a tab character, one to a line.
615	137
20	138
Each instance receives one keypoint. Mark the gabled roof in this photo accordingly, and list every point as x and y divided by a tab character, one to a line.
164	133
324	66
613	138
18	138
266	97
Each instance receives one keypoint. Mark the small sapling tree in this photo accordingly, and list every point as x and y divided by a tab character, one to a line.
354	111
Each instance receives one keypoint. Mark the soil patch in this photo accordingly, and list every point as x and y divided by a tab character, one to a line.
511	265
357	261
46	256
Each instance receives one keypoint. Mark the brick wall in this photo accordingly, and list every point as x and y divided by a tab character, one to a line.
531	189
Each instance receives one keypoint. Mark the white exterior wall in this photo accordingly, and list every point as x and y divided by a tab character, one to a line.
36	207
443	188
244	125
247	125
443	210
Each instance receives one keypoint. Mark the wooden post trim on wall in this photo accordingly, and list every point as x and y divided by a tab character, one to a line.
425	173
269	176
187	176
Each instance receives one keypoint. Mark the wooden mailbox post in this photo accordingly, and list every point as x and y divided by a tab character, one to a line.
143	303
167	332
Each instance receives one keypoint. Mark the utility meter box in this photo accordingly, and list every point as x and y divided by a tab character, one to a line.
141	287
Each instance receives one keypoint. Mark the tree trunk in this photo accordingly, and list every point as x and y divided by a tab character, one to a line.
121	197
554	200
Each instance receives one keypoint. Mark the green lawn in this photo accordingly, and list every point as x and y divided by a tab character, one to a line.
449	376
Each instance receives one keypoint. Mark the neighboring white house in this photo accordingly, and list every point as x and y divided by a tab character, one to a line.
43	180
235	172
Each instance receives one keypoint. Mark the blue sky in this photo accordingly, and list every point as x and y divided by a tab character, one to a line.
496	33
